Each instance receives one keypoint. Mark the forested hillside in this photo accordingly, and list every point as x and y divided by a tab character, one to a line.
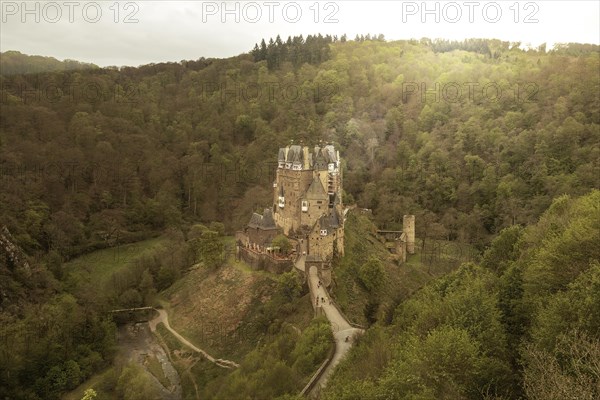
14	62
526	322
137	149
486	144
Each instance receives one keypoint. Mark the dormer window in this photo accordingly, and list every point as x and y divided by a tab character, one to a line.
304	206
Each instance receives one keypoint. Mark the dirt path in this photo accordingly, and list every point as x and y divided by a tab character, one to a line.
164	318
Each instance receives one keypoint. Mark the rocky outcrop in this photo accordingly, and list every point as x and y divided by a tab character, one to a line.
12	255
15	271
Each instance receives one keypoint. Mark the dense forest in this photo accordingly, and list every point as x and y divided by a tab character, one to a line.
86	153
486	143
523	323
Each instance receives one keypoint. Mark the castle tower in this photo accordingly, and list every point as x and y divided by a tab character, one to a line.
408	227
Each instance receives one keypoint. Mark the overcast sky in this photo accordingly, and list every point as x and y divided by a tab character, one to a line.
141	32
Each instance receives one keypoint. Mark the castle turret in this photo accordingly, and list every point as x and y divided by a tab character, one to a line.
306	160
408	227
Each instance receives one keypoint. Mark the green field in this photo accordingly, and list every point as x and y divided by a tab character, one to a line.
99	265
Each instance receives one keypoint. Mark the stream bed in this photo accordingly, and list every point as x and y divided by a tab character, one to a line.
138	344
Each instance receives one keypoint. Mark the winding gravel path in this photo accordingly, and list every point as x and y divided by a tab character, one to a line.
164	318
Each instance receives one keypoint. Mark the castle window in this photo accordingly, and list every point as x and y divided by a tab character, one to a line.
304	206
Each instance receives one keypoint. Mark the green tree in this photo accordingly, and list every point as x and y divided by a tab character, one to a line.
130	298
165	278
503	250
443	365
372	274
210	249
72	374
146	286
285	246
572	370
89	394
290	285
135	384
218	227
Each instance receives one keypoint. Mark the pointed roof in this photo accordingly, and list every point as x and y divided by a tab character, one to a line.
336	199
315	191
267	220
330	221
295	154
264	221
281	155
255	220
320	158
330	153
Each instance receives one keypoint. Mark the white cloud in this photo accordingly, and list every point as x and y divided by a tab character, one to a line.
176	30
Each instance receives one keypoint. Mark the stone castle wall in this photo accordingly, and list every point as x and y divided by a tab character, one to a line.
264	262
294	183
323	245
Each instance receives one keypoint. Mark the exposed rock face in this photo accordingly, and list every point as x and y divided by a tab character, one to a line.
14	270
12	255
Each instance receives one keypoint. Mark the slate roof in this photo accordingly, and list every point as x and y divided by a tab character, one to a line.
263	222
325	154
318	158
330	221
295	154
281	155
315	191
331	155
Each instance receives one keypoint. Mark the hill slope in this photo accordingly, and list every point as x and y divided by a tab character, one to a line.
14	62
468	333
